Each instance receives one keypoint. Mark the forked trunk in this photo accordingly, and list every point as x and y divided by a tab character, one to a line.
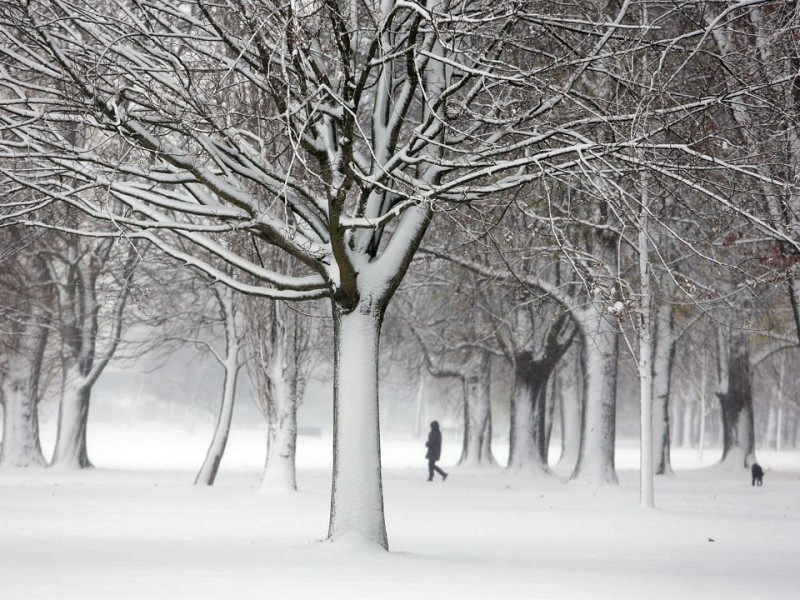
357	491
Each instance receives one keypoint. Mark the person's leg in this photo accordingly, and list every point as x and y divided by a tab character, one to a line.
431	467
440	472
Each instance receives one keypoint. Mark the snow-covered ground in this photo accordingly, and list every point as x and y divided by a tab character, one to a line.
136	528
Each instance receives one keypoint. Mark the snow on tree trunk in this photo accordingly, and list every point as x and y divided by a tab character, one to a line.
736	401
73	416
357	490
76	274
534	363
208	471
596	454
21	446
571	392
477	446
663	357
526	441
278	372
279	470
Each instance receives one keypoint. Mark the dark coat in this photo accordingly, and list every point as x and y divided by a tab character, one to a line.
434	443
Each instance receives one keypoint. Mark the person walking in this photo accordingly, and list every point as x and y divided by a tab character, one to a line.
434	445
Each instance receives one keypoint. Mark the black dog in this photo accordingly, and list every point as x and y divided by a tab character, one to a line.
758	474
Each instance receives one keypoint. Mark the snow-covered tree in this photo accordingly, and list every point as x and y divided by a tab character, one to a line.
281	347
25	322
227	304
92	282
534	346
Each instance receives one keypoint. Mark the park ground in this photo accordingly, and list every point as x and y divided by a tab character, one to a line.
136	528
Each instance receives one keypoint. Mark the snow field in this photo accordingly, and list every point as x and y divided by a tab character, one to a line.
136	528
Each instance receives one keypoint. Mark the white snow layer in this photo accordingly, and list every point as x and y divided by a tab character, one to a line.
136	528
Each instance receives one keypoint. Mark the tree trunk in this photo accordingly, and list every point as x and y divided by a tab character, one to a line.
81	361
770	433
208	471
526	440
736	401
73	416
420	412
282	371
596	454
21	446
663	357
279	470
688	421
549	412
646	351
357	490
676	420
571	393
477	447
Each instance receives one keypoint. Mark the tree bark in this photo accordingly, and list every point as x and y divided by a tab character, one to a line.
75	275
73	415
280	372
21	446
736	401
477	445
598	428
549	413
663	359
357	489
210	467
571	394
280	473
526	440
